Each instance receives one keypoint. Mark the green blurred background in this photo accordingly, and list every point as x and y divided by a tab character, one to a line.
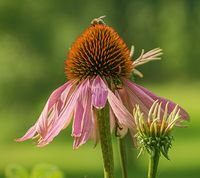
34	39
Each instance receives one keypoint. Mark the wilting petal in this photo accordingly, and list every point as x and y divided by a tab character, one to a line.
29	134
99	93
122	114
122	92
63	118
41	126
52	109
137	96
145	99
112	120
78	117
86	121
56	94
171	105
95	134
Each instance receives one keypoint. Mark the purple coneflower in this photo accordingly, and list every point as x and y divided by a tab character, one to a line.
98	68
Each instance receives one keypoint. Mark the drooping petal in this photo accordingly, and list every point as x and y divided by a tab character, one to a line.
52	109
122	93
29	134
112	120
137	96
86	121
95	134
56	94
78	117
146	99
121	130
42	124
99	93
171	105
120	111
64	117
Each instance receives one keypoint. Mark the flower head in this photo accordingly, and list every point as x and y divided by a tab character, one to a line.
98	51
98	68
154	132
98	56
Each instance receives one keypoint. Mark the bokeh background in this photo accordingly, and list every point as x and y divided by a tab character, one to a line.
34	39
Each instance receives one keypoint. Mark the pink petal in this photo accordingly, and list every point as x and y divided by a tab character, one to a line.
57	93
122	114
29	134
99	93
86	120
123	94
78	117
64	117
42	123
49	113
121	130
147	98
171	105
136	96
95	134
112	120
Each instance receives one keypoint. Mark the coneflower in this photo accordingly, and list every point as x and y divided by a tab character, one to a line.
96	62
98	68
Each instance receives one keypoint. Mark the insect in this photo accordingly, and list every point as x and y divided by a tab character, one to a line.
98	20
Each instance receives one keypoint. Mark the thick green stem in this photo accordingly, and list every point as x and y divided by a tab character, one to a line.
106	142
123	156
153	163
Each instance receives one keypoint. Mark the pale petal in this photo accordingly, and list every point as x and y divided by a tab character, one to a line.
45	119
125	98
42	123
29	134
86	121
95	134
122	114
56	94
78	117
52	109
99	93
112	120
145	99
137	96
171	105
63	118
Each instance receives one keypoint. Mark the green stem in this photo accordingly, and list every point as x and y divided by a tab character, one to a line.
153	163
123	156
106	142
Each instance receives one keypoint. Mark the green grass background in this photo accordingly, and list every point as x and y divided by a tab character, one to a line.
34	39
86	161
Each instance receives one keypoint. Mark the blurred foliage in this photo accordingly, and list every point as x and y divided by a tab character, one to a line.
34	39
39	171
46	171
16	171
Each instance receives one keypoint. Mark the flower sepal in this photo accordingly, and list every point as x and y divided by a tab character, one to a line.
160	143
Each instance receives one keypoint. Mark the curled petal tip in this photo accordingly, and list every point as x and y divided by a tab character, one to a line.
18	140
184	115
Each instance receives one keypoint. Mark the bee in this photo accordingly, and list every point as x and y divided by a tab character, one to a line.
98	20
